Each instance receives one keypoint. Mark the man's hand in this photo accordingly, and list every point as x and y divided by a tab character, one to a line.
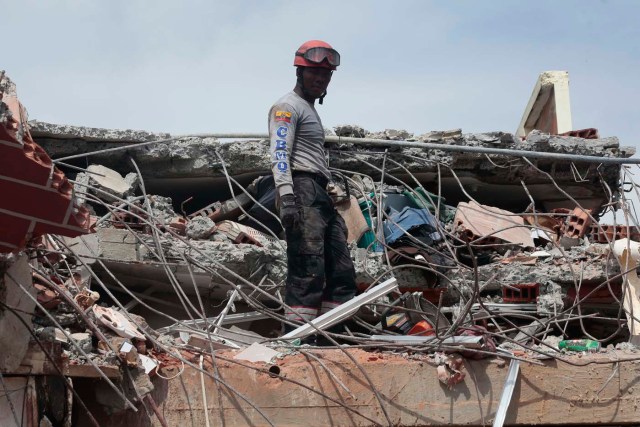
289	212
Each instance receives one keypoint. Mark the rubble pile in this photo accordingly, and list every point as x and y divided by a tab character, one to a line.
183	262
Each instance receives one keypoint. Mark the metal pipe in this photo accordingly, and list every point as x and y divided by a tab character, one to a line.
371	142
507	393
223	313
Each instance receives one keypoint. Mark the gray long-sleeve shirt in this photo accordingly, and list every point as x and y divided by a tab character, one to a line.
297	140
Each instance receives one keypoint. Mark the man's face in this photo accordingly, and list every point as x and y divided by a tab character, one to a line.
316	80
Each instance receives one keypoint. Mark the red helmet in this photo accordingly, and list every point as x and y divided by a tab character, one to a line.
316	53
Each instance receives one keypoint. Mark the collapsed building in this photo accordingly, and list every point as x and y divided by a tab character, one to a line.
142	277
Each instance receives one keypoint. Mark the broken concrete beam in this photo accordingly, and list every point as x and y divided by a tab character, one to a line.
549	108
132	263
82	133
593	270
440	134
135	383
195	160
126	257
87	247
14	339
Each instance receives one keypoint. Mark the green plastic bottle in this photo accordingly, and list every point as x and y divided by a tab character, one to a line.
579	345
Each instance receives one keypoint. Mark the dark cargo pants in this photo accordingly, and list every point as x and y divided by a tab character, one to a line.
321	274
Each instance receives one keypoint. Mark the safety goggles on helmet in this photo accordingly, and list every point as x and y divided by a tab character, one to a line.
317	55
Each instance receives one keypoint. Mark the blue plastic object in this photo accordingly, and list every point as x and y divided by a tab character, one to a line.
410	220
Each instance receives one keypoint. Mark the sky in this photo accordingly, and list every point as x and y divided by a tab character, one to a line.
212	66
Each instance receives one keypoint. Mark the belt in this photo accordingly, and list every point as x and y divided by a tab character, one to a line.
320	179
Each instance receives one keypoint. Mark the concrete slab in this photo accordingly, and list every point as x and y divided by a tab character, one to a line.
109	181
557	393
187	167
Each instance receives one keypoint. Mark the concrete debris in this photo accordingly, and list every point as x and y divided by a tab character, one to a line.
100	180
391	134
239	233
568	242
257	353
196	160
551	299
594	269
88	134
354	131
81	340
161	209
117	322
128	298
437	135
200	228
53	334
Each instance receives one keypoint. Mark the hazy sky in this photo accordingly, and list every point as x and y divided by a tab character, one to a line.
207	66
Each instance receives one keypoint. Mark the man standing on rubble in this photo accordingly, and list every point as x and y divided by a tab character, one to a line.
320	271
